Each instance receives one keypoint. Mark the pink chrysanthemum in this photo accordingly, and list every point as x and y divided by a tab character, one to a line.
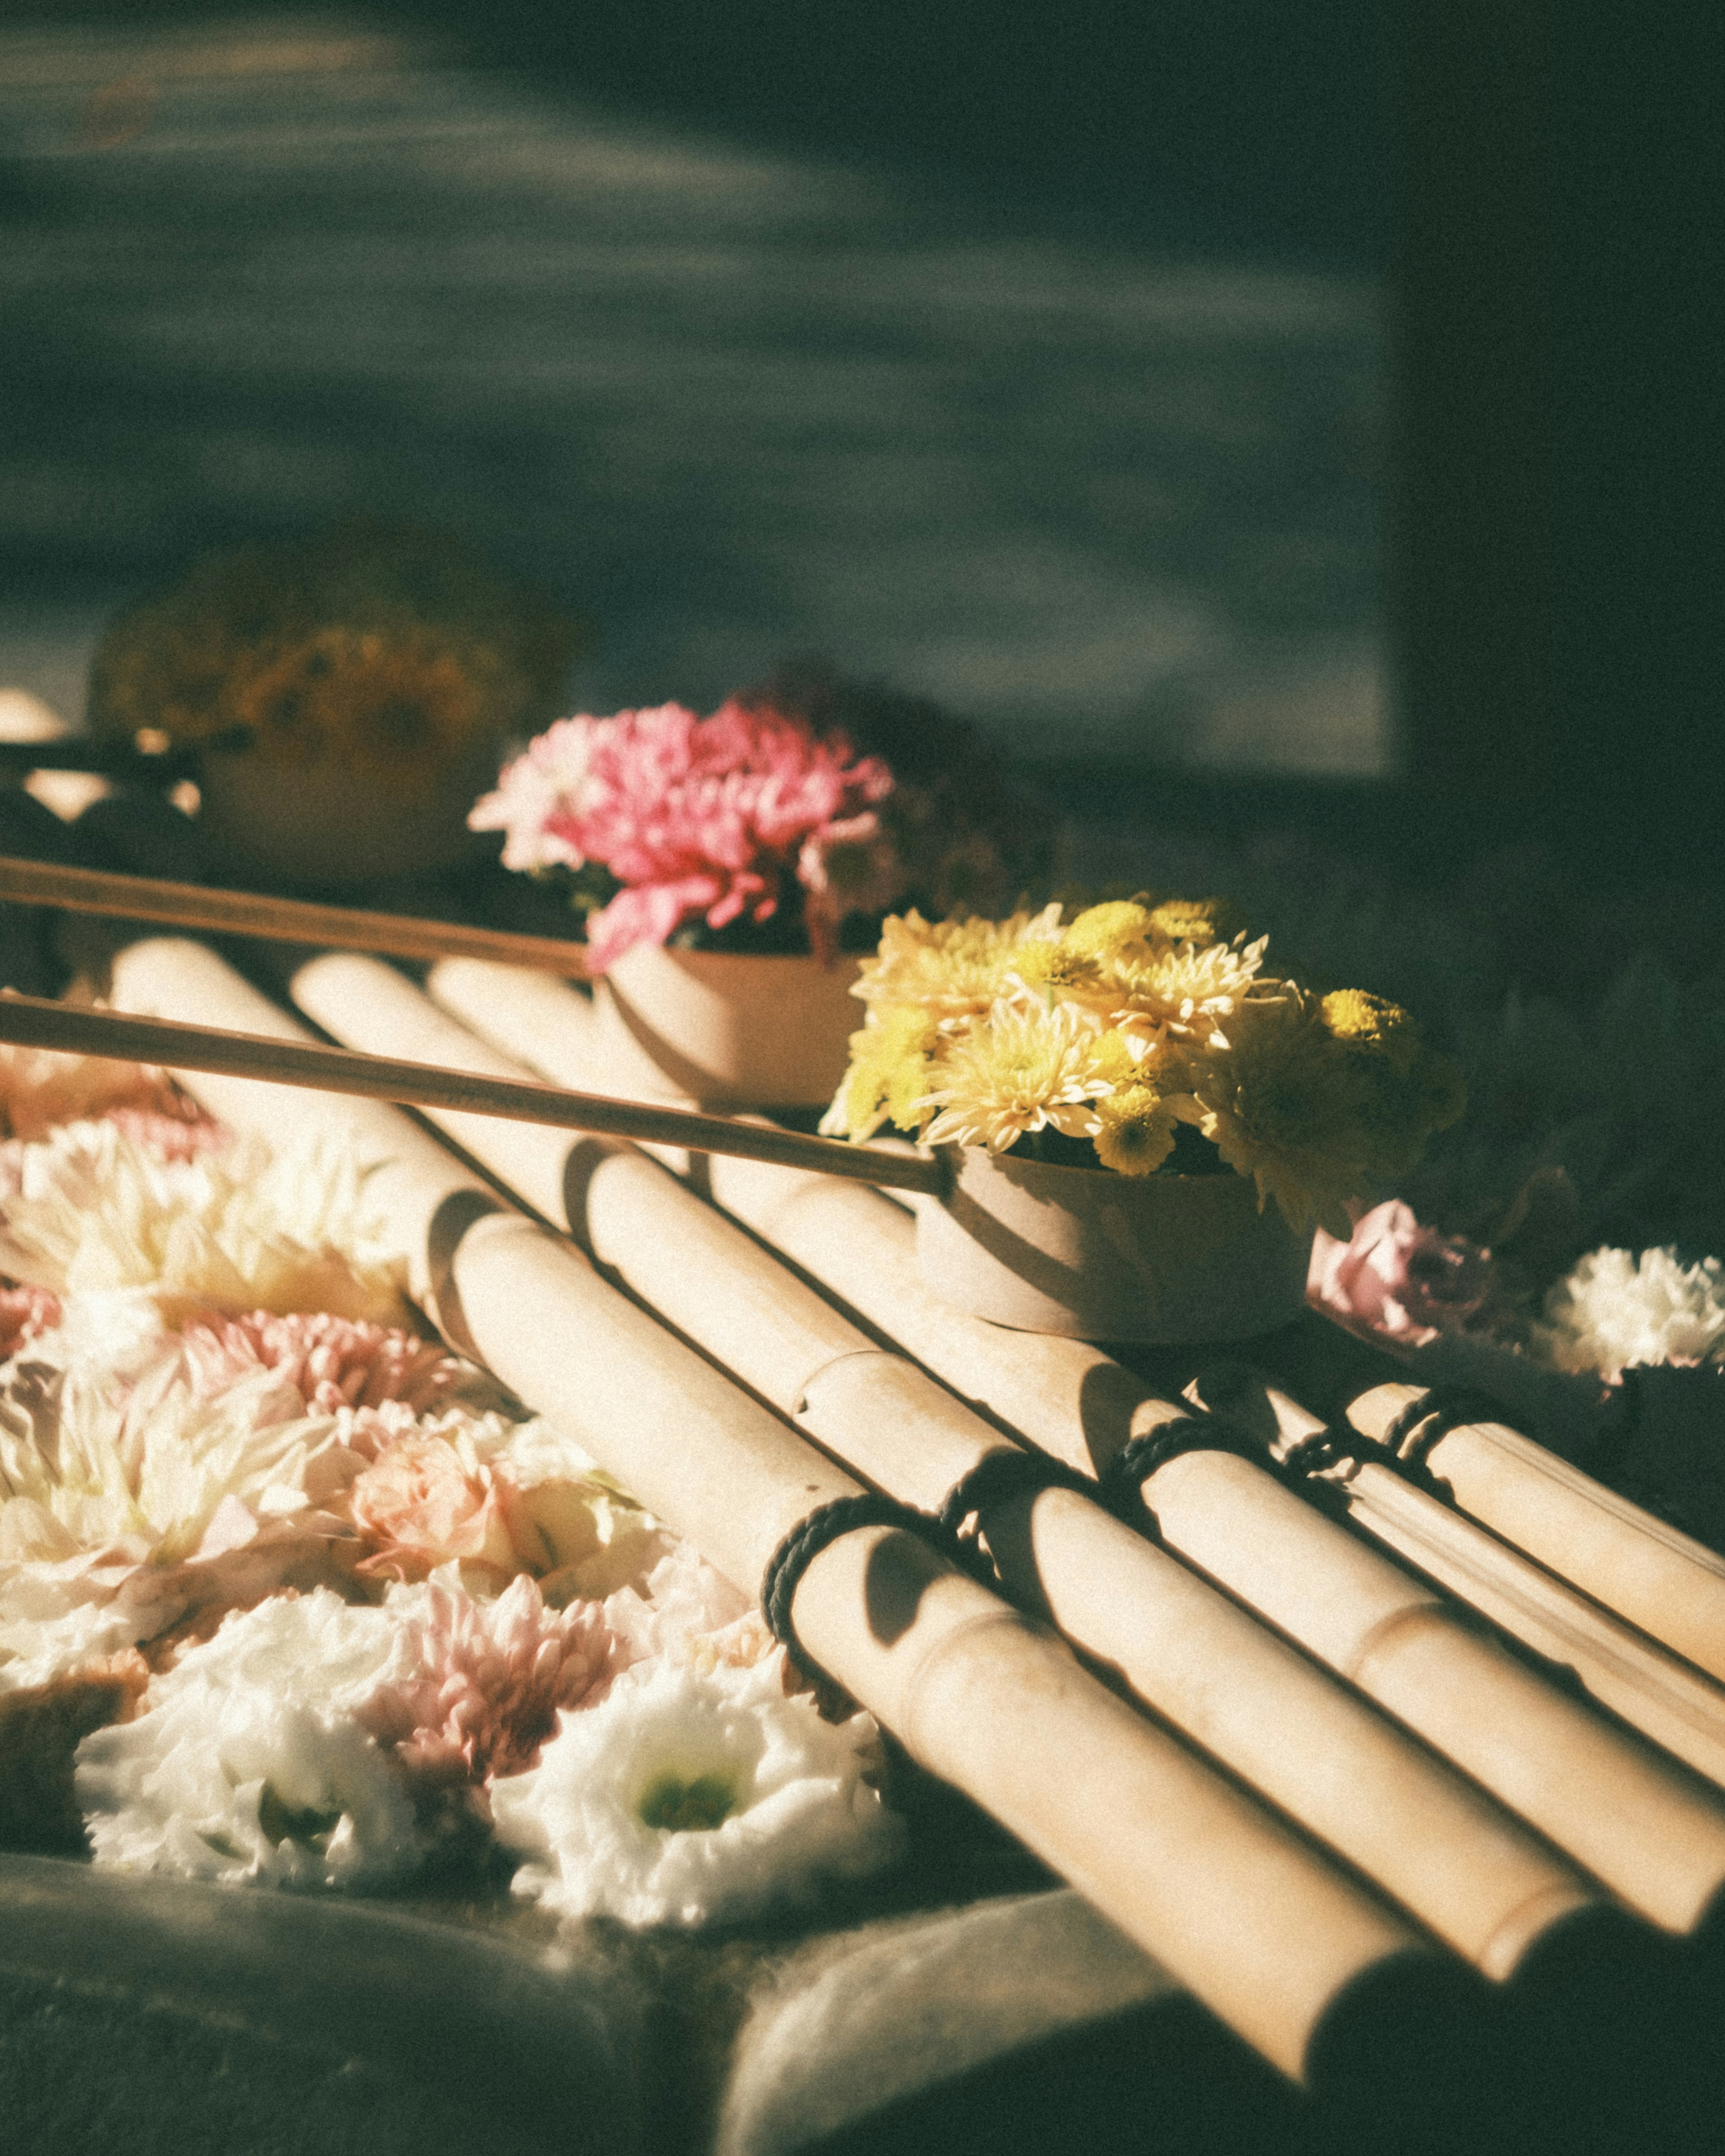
695	816
332	1363
491	1679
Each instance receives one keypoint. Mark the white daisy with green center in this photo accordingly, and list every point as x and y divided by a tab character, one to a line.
689	1794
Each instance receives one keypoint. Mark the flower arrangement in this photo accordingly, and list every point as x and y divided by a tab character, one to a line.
1143	1036
774	825
315	1608
387	652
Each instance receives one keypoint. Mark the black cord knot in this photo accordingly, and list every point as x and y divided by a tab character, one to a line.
810	1535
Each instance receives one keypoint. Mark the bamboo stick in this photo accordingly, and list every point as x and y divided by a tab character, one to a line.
36	1022
276	920
1663	1695
1651	1829
1282	1946
1434	1841
1649	1571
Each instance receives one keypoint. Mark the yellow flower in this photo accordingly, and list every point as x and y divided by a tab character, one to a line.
1409	1090
1372	1026
1190	993
1014	1072
953	969
1105	932
888	1075
1288	1105
1119	1058
1051	974
1196	920
1135	1131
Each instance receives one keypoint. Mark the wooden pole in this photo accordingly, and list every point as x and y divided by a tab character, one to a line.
276	920
36	1022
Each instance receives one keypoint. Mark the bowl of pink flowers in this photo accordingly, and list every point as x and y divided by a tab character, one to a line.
732	867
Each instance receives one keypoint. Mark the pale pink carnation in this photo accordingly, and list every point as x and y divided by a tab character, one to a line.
540	798
24	1312
421	1506
331	1363
492	1678
1396	1282
40	1087
178	1130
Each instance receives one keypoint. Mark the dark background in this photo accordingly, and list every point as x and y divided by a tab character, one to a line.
1325	390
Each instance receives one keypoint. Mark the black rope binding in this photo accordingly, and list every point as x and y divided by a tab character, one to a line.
810	1535
1121	1485
996	1478
1425	1422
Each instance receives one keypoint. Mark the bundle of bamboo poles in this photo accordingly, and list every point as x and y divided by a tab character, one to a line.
1494	1811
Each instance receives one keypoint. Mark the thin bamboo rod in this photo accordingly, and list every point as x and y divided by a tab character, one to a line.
278	920
1647	1825
1648	1571
1293	1954
35	1022
1433	1840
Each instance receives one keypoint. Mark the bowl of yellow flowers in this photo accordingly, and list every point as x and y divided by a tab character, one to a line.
1142	1124
346	696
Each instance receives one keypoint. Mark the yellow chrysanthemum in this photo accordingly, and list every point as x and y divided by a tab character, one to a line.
1016	1072
1050	974
953	969
1372	1026
1201	921
1135	1131
1105	932
1190	993
889	1073
1287	1106
1409	1091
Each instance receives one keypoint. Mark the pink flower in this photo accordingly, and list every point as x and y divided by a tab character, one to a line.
421	1505
492	1679
331	1361
179	1130
696	817
24	1312
1395	1281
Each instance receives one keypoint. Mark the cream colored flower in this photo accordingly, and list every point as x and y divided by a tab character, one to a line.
954	969
1615	1311
238	1229
1016	1072
1185	993
688	1795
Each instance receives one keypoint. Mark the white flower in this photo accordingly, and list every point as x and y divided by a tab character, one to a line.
689	1795
235	1230
547	784
249	1763
1614	1310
